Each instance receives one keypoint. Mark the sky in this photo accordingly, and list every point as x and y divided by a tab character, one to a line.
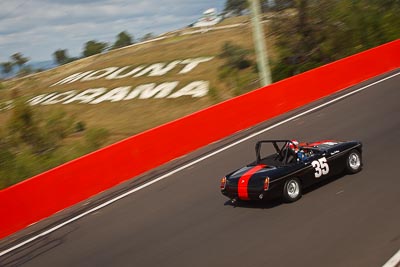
37	28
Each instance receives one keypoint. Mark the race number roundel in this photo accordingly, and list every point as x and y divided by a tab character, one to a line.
321	167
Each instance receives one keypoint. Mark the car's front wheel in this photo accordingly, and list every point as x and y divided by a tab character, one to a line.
292	190
353	162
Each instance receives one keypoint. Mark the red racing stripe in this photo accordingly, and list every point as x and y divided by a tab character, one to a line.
317	143
244	181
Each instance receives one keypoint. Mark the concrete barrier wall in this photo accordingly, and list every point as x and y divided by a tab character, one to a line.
68	184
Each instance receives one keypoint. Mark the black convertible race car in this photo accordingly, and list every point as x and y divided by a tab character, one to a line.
288	167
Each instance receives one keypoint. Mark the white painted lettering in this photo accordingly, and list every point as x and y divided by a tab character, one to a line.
99	74
40	98
149	90
115	75
191	63
86	96
114	95
73	78
160	91
6	105
59	98
195	89
139	89
158	69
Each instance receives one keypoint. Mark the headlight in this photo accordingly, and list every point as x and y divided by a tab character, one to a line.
266	184
223	183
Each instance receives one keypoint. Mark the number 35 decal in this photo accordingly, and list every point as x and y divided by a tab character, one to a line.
321	167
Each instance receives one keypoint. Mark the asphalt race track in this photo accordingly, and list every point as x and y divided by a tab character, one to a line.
184	220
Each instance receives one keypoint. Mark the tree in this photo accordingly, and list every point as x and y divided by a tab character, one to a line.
236	6
123	39
277	5
19	59
7	67
60	56
25	70
319	32
147	36
93	47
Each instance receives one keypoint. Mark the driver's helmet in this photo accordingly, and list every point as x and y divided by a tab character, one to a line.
294	146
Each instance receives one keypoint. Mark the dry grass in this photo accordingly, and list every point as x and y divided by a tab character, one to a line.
126	118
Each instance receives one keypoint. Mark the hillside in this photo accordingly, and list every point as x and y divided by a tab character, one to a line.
130	90
125	118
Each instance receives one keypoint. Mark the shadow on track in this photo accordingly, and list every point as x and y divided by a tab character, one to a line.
276	202
36	248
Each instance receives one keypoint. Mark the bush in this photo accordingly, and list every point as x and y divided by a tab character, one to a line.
80	126
60	124
95	137
235	71
32	143
236	56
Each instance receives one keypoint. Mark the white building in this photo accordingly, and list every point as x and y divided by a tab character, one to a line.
209	18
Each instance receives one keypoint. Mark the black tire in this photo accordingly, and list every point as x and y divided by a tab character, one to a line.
353	161
292	190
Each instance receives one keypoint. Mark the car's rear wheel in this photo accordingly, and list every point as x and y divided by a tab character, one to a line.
292	190
353	161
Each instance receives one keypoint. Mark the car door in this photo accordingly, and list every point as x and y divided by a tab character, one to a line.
318	168
336	161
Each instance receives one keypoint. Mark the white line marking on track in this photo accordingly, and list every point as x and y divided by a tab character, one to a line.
393	261
109	202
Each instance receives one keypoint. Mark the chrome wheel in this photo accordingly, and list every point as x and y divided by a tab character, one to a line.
354	161
293	189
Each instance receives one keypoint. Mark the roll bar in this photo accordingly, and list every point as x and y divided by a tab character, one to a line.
276	146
